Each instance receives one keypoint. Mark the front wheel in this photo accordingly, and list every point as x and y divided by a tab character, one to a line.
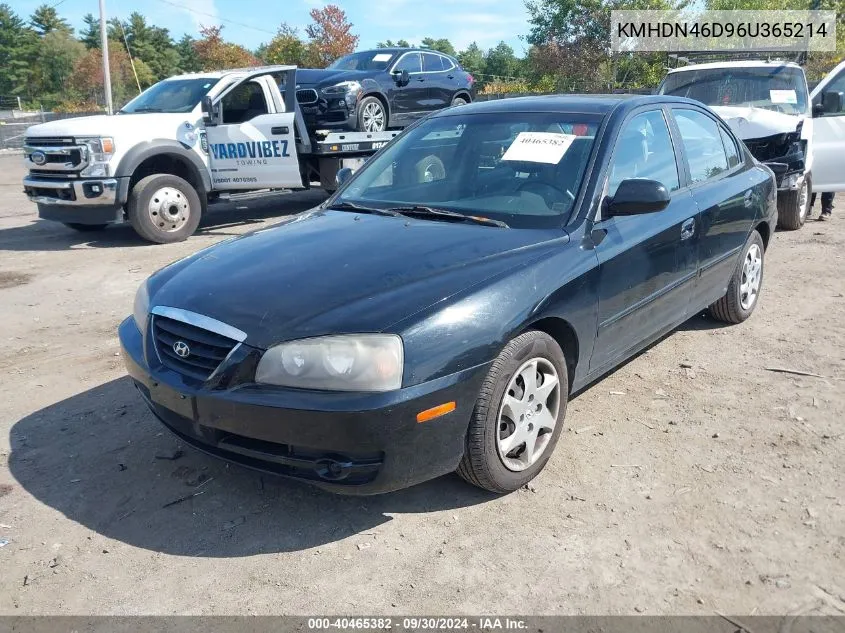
793	206
518	416
745	284
372	116
164	208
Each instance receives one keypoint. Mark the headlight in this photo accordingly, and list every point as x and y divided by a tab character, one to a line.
349	362
100	151
343	87
141	307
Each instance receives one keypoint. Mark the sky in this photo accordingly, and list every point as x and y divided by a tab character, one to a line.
251	22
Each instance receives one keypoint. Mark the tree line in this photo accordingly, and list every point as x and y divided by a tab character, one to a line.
47	64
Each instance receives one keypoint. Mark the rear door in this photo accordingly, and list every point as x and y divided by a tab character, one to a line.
253	147
728	193
647	263
439	86
409	101
829	137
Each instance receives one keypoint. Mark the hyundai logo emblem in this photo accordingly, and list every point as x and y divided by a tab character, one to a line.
38	157
181	348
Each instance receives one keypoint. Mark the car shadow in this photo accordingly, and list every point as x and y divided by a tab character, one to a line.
45	235
102	460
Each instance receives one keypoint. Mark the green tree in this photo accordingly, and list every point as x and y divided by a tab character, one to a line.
53	65
443	45
188	62
286	48
391	44
45	19
17	48
90	35
501	62
214	53
152	44
472	59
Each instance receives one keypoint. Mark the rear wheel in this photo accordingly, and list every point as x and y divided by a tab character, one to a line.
85	228
793	206
372	116
745	285
518	416
459	101
164	208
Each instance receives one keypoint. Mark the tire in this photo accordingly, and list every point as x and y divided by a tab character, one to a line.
430	169
483	463
163	208
85	228
459	101
733	308
372	115
794	207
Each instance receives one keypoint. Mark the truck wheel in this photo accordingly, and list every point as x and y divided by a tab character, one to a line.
793	207
518	416
745	284
372	117
164	208
85	228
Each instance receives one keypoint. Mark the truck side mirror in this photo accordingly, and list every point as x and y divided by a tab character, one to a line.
832	102
210	112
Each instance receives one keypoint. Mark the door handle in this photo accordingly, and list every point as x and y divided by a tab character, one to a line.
420	78
450	76
748	199
282	129
688	229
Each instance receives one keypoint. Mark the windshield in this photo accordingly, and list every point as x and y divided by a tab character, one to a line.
171	95
524	169
366	60
779	88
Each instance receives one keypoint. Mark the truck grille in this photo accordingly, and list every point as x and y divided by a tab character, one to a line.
307	96
48	140
206	349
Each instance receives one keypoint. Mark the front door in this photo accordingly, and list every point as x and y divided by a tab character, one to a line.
829	138
253	147
409	101
647	263
439	85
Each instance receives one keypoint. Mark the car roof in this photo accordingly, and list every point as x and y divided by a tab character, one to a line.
400	49
737	64
583	104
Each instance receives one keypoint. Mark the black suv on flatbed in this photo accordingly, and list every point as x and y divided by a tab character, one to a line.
372	90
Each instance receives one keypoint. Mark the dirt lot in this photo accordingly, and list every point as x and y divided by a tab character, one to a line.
688	481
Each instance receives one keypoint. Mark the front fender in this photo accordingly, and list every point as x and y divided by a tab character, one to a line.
148	149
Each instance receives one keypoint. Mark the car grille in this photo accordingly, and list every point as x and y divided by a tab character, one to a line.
207	349
48	140
307	96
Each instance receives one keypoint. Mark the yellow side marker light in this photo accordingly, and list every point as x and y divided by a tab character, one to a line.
435	412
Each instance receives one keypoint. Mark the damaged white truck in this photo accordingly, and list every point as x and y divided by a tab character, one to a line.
767	104
182	144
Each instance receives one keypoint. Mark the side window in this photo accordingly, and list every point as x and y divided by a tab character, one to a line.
837	85
432	62
644	150
243	103
410	62
702	143
448	64
734	156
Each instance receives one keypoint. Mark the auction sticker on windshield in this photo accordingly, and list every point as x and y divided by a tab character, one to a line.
783	96
382	57
539	147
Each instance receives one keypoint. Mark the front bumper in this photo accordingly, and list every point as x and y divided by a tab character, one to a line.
334	112
86	201
352	443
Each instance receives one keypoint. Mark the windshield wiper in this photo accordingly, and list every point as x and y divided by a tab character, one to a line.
423	211
144	109
357	208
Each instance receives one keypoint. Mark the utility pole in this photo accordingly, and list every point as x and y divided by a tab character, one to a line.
104	45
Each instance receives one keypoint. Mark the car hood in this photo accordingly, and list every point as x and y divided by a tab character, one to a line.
325	272
104	125
328	76
749	122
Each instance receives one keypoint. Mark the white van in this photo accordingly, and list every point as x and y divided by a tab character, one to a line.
828	99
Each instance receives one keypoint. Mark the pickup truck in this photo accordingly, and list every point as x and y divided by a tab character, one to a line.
184	143
767	105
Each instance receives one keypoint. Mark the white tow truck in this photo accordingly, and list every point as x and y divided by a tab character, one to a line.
185	142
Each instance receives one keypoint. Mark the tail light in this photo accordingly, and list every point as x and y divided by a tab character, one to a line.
470	78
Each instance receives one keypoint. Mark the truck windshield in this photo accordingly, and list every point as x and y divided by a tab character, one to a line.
366	60
521	168
171	95
779	88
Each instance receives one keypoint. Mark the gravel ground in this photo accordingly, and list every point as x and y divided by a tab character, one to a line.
689	481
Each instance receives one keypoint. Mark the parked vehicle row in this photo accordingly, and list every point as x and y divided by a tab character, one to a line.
489	262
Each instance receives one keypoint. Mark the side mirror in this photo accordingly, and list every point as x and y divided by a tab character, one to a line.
401	77
818	109
638	195
343	174
210	113
832	102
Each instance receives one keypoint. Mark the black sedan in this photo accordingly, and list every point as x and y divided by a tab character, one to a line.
439	310
386	87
